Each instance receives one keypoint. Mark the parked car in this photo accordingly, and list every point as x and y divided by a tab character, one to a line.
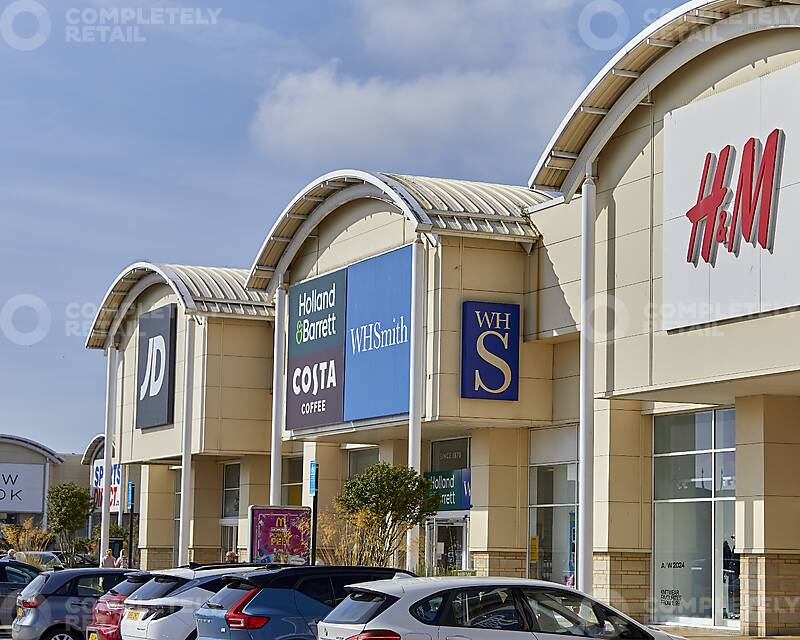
14	576
42	559
57	605
108	610
279	603
164	607
79	561
477	609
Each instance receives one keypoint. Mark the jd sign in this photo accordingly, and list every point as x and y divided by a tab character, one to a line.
490	351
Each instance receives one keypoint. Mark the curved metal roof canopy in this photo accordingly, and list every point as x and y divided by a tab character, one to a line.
201	290
34	446
627	80
434	206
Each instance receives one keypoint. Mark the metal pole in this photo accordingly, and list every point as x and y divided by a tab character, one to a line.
186	447
586	434
278	391
130	501
111	411
314	514
416	381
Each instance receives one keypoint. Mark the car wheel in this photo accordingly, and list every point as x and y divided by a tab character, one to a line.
61	634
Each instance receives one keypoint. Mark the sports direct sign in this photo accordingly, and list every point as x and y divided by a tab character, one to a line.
731	202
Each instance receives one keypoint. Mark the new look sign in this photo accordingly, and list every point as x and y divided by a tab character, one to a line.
155	387
348	352
490	336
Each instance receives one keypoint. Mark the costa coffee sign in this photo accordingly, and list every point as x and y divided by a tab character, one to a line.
731	204
754	208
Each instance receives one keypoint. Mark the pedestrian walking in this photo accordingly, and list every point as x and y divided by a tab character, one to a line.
108	561
122	562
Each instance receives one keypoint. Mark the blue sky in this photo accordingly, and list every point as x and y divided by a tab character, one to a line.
185	141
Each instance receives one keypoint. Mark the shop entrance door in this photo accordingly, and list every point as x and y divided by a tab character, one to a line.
446	551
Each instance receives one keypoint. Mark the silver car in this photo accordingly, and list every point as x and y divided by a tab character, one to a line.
58	605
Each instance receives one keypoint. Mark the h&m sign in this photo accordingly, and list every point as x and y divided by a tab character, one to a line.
490	335
155	379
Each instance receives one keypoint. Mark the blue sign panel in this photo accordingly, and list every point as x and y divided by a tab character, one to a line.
377	356
312	478
130	494
490	334
453	487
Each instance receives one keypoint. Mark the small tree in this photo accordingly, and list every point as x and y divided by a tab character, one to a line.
380	506
26	536
68	508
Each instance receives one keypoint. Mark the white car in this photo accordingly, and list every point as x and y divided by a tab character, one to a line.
163	608
476	609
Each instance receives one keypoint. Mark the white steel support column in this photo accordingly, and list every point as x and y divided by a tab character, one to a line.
186	446
586	431
278	393
416	381
108	445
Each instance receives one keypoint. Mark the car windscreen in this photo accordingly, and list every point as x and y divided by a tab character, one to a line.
128	586
35	586
229	595
158	587
360	607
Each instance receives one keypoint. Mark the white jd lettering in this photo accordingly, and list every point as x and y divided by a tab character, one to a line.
156	367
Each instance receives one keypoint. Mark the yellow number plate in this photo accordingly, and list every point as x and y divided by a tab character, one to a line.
134	615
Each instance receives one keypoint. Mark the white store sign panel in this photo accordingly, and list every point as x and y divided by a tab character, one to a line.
732	203
21	488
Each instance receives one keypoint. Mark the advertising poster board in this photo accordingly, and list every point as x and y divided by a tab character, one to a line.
280	535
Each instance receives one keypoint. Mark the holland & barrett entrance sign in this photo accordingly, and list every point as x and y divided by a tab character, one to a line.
454	488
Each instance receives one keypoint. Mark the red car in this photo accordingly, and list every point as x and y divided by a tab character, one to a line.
108	610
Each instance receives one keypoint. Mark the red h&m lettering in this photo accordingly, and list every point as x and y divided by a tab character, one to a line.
708	214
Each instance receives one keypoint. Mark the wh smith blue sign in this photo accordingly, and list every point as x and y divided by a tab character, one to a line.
490	351
378	326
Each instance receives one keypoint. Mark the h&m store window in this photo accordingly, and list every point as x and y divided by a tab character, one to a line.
553	500
695	564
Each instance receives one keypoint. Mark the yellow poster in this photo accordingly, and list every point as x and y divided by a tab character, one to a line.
535	549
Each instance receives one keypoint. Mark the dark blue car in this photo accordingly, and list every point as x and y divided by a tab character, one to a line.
284	603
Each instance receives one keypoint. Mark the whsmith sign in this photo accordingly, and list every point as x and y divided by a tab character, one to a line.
490	335
348	356
731	194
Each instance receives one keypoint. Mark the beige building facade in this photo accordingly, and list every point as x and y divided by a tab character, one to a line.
621	329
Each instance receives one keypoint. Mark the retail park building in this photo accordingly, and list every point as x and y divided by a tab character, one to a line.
437	323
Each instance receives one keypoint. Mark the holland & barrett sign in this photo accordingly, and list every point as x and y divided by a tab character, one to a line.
316	351
454	488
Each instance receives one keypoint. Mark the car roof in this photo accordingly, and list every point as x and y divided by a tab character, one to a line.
303	569
407	585
191	574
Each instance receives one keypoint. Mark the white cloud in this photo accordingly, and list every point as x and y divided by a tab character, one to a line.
466	88
474	124
478	33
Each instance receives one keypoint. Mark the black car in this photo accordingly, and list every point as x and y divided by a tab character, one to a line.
14	577
58	604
